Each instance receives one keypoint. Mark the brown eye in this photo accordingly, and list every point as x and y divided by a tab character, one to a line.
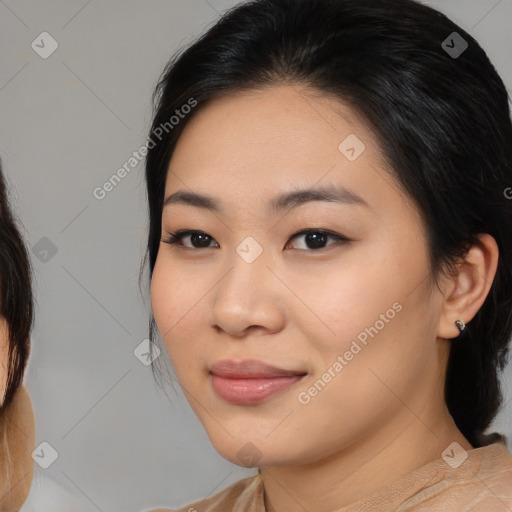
198	239
316	239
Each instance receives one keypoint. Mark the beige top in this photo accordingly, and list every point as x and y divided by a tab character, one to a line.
482	483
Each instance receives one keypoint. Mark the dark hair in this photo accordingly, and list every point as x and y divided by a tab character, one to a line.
16	299
442	123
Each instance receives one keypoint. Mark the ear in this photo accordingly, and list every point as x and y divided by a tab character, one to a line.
467	290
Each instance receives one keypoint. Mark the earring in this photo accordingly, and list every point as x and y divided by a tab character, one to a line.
461	325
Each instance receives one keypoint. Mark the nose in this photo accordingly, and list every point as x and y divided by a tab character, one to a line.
248	299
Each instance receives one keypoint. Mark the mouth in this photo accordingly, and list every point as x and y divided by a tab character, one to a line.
250	382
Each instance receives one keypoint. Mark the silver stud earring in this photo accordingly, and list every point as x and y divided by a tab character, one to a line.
461	325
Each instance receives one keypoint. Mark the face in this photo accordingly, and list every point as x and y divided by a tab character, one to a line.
4	355
350	322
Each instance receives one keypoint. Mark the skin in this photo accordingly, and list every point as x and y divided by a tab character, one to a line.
4	355
298	308
17	438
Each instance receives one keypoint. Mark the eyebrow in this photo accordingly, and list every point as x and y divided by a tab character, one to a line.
282	202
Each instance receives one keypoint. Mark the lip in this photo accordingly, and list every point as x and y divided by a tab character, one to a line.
250	369
250	381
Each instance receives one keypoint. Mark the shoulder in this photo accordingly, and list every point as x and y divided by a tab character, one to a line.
487	484
495	472
482	482
236	498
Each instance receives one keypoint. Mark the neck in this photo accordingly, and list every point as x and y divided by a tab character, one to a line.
362	468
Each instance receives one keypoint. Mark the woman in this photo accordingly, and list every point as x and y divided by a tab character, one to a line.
17	430
330	254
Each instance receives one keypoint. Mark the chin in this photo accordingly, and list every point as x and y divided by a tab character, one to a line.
252	454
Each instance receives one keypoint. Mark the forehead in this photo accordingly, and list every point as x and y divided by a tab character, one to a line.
270	130
283	120
257	143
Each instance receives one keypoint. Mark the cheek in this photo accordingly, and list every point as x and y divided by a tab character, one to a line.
340	300
372	313
171	291
175	299
161	294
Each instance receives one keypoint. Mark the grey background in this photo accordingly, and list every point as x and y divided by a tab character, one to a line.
67	124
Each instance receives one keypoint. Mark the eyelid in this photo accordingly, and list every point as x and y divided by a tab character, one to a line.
176	237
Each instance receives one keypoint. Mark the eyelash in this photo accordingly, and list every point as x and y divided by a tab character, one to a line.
175	238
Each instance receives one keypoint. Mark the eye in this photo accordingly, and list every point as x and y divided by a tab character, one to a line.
316	238
199	237
201	240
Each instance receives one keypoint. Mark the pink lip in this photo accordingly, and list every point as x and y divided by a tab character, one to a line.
250	381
